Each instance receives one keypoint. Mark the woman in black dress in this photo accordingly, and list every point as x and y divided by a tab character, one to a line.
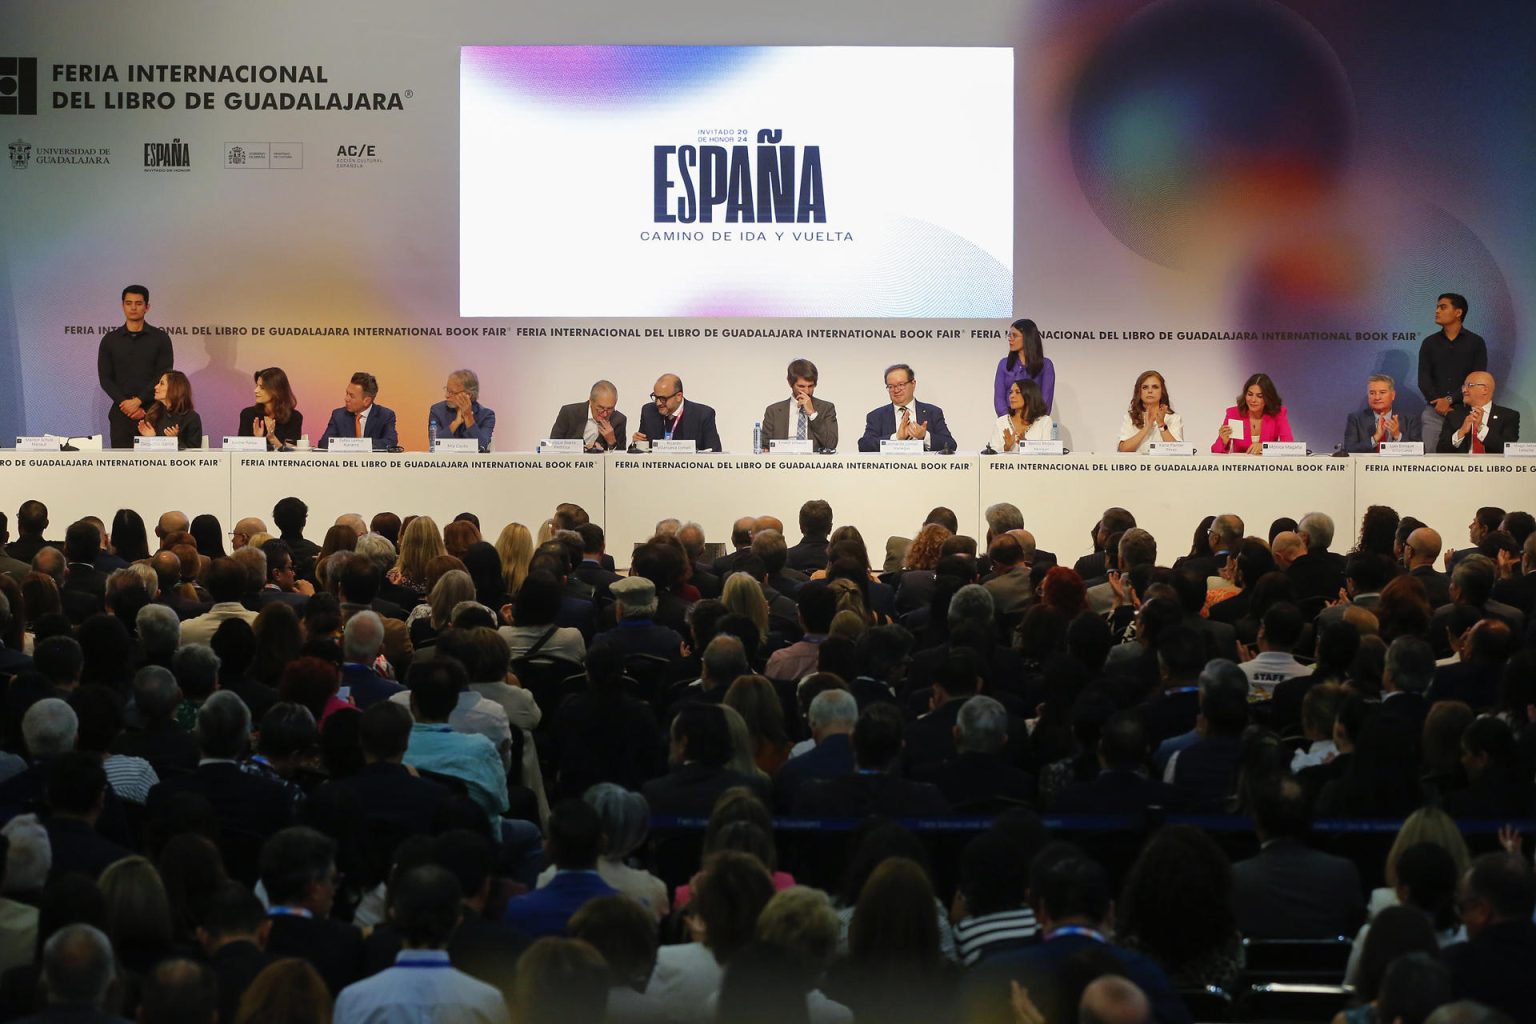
172	414
273	416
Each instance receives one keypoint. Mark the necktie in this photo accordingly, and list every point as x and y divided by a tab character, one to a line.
359	418
906	418
1381	429
1477	443
800	427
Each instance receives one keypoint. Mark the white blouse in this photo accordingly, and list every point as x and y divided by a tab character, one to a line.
1040	430
1172	421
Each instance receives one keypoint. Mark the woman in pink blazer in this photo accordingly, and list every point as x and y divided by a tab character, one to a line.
1263	419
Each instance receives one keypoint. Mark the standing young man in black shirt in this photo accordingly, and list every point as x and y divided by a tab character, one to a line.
129	362
1445	359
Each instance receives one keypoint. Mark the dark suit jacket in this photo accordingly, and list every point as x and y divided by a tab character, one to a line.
80	848
1360	430
571	424
698	425
1519	591
12	567
985	989
244	804
1317	574
809	555
380	427
599	579
368	687
974	778
332	948
235	966
821	431
1117	791
603	738
832	758
1437	585
1291	891
1495	969
691	790
858	796
1503	427
881	423
84	591
381	792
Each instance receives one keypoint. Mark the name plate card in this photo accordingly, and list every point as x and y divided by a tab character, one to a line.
1173	448
245	444
562	445
1041	448
1399	448
156	444
908	447
791	446
1286	449
351	444
1512	449
674	447
37	444
458	445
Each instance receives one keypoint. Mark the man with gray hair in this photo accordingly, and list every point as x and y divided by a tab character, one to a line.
159	631
1223	538
152	733
596	422
362	640
1405	679
358	525
980	774
244	530
1319	572
1367	430
244	804
832	717
78	970
460	413
49	729
1218	672
635	630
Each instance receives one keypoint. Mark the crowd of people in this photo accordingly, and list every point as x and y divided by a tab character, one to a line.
151	398
472	772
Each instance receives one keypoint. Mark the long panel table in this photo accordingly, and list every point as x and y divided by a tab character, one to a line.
1061	497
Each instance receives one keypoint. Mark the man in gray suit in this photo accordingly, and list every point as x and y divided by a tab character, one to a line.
804	416
1366	430
599	425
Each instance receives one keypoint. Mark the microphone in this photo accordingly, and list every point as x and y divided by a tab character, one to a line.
1338	451
989	450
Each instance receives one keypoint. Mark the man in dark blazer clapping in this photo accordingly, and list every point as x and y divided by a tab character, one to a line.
1479	426
360	417
905	418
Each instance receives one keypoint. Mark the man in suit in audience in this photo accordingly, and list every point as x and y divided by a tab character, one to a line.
832	717
1365	431
905	418
1519	589
233	934
1122	785
815	525
597	423
1472	586
298	870
699	749
978	773
1420	553
691	537
12	567
1096	565
1289	890
874	788
1478	426
591	570
384	791
1224	538
804	417
670	417
360	417
1319	572
1496	897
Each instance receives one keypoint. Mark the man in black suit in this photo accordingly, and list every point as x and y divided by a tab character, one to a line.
1096	565
700	747
979	774
156	737
815	524
244	804
1122	786
1479	426
282	579
77	788
31	523
298	869
691	537
1172	708
1405	677
741	547
873	788
590	570
768	545
905	418
12	567
596	422
78	971
931	739
832	717
670	417
804	417
1420	553
1319	572
1519	589
1224	537
384	791
1472	586
1289	890
1496	898
85	586
233	934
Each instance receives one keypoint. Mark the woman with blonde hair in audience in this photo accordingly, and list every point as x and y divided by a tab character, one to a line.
1425	825
848	625
756	700
290	991
743	595
743	758
451	588
420	542
515	546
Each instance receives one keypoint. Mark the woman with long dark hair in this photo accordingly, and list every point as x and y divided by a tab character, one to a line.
1176	907
172	414
1025	361
1024	420
1263	417
130	540
275	415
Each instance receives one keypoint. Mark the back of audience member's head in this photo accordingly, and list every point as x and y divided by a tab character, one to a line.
177	991
232	910
1177	899
983	726
155	693
625	817
435	687
574	836
197	671
702	733
800	923
1065	885
60	659
290	990
877	737
425	906
731	893
994	874
386	731
78	966
894	933
28	855
193	872
468	856
1413	985
77	783
624	933
49	728
560	981
224	726
292	861
1280	810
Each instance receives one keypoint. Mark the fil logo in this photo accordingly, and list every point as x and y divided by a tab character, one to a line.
18	85
167	156
21	154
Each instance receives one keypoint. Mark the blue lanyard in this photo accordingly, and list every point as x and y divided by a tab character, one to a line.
1072	929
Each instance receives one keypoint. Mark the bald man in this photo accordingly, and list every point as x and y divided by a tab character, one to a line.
171	523
1111	999
1287	547
1420	553
353	520
671	417
1478	427
244	530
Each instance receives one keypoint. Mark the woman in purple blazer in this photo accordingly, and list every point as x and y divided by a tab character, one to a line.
1263	419
1025	361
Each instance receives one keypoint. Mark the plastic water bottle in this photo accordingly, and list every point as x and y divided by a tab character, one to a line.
432	435
757	438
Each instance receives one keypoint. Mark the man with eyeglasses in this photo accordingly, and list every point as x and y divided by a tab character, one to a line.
905	418
1479	427
460	413
670	418
596	422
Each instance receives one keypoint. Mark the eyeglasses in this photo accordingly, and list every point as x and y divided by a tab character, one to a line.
664	398
898	387
1478	384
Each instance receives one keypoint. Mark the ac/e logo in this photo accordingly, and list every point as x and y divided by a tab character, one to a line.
357	151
